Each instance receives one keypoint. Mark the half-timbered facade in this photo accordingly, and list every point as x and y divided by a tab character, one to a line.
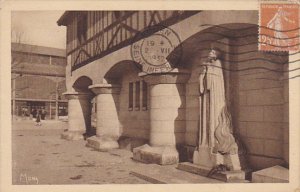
161	108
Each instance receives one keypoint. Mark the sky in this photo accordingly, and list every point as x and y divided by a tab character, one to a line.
38	28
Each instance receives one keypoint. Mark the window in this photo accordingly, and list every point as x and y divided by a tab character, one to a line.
137	96
58	61
144	95
82	28
130	96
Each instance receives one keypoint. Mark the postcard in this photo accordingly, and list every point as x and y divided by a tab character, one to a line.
125	95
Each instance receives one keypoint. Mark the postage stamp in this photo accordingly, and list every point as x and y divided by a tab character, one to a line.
279	27
152	52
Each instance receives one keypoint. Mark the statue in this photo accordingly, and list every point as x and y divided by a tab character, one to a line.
216	144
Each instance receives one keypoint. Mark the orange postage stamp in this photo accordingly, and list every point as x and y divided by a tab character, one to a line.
279	27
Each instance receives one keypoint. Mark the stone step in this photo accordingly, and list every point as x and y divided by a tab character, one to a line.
276	174
158	174
238	181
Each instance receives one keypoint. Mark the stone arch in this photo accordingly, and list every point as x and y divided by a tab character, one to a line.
133	122
82	83
195	49
115	74
203	40
223	37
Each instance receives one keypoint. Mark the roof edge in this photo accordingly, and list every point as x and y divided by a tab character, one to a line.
63	19
37	49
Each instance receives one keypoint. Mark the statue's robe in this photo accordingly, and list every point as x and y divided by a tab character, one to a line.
217	134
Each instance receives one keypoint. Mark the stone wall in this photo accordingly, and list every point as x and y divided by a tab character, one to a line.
257	99
133	123
262	109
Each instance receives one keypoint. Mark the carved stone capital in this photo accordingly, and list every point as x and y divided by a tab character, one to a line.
105	88
77	95
175	76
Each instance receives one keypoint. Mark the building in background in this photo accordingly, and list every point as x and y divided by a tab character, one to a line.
38	81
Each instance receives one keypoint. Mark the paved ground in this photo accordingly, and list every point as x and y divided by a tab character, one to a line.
41	157
39	154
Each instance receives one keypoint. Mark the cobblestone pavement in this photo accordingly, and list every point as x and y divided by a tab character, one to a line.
41	157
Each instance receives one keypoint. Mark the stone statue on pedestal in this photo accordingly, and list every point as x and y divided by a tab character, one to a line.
216	144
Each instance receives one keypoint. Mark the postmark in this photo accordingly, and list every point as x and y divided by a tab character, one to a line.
278	26
154	48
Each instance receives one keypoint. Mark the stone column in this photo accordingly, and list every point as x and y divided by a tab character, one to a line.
167	109
79	115
107	130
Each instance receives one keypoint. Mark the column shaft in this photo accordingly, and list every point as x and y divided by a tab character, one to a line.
79	115
107	115
107	130
167	105
166	109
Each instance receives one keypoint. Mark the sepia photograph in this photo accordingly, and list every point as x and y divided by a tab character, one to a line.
153	96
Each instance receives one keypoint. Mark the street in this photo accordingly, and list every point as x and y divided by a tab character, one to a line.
41	157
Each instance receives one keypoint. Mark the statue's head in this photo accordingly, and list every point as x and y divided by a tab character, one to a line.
215	54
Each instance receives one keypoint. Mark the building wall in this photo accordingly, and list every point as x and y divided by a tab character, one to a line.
263	106
38	59
257	99
38	87
134	122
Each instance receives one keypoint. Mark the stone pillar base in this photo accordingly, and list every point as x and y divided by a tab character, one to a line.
102	143
165	155
72	135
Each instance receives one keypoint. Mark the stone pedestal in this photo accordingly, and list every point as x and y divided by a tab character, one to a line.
103	143
79	116
107	128
162	155
204	161
204	157
167	102
227	176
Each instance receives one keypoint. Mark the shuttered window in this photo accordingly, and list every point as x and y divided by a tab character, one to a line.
130	96
144	95
139	90
82	28
137	96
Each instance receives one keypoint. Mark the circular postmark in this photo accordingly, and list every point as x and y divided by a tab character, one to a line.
157	49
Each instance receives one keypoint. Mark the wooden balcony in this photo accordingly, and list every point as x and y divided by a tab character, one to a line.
108	31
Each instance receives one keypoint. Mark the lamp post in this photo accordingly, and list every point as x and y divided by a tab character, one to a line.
13	96
56	92
56	100
14	92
